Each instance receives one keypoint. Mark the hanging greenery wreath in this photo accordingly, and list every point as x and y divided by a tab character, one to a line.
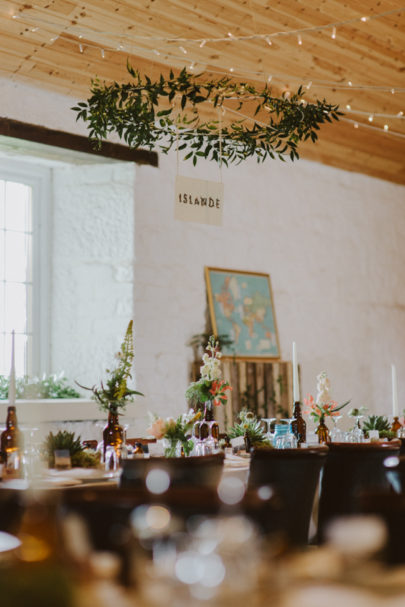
137	112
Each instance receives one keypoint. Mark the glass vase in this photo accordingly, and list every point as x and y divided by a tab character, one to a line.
172	447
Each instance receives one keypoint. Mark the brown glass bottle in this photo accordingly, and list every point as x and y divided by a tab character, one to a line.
323	432
113	433
396	425
207	421
298	424
10	444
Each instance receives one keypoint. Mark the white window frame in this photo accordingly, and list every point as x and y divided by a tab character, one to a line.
40	179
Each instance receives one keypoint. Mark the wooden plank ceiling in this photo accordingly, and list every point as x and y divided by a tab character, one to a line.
360	64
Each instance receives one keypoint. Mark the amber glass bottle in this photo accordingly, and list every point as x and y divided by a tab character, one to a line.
298	424
113	433
207	421
11	444
323	432
396	425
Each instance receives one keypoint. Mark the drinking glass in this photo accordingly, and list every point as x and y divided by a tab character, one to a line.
279	436
336	435
111	459
290	440
269	433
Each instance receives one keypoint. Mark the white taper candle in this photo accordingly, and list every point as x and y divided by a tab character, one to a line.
11	386
296	384
394	391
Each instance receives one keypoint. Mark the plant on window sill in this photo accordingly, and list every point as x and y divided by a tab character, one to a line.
33	388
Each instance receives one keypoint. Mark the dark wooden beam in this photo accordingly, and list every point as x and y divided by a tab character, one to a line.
61	139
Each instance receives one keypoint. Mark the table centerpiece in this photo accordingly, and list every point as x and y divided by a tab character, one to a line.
114	395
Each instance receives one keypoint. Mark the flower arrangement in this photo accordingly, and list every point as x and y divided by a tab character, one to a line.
175	431
249	426
114	395
210	387
323	406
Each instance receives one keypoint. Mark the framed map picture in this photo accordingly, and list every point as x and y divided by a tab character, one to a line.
241	307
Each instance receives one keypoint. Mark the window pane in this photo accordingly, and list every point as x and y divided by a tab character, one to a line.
16	315
18	197
16	256
2	318
20	354
2	255
3	369
2	203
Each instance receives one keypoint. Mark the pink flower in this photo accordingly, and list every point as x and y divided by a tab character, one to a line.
157	428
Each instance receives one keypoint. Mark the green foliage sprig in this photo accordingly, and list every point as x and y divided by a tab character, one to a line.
48	386
114	395
137	111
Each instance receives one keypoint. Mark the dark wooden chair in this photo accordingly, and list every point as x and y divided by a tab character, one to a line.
390	507
183	471
294	475
351	469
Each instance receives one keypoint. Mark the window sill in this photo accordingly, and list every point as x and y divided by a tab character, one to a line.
53	410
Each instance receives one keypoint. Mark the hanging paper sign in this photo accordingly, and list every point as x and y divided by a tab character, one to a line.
198	200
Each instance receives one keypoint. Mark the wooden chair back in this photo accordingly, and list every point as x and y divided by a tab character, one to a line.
294	475
183	471
350	469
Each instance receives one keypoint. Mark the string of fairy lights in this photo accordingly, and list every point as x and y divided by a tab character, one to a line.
188	46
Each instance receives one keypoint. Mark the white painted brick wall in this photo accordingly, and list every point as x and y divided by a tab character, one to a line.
92	267
332	241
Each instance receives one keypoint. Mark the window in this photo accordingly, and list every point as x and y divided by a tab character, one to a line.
24	193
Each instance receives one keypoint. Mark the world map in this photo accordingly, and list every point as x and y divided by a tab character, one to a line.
243	311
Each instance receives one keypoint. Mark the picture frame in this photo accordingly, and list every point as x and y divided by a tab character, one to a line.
241	307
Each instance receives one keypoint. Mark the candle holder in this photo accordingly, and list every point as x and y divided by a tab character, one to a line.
396	425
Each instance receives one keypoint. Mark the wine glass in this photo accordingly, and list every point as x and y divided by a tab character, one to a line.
336	435
269	433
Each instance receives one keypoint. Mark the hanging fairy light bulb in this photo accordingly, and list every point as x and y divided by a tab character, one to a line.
309	85
269	79
386	127
81	48
333	36
348	107
102	53
203	43
269	42
183	50
371	118
299	39
356	125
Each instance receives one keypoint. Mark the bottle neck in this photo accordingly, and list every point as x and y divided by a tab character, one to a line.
11	418
208	412
297	410
112	418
